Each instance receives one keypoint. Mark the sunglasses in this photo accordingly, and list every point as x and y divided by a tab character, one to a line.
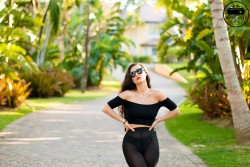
138	71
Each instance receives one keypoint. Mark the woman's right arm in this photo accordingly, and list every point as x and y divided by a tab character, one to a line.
109	111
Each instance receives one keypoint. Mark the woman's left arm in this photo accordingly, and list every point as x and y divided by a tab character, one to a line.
171	114
168	103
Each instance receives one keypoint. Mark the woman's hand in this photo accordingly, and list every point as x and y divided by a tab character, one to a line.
128	126
154	124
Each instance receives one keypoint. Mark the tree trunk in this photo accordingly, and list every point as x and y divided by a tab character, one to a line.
240	110
87	51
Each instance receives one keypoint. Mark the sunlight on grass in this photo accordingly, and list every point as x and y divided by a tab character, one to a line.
10	113
71	96
8	116
110	83
216	146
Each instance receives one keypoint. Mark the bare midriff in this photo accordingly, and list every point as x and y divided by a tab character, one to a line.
137	126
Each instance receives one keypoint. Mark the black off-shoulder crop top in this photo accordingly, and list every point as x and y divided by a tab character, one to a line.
144	114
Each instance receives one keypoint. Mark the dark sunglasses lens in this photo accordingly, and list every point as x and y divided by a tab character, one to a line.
139	71
132	74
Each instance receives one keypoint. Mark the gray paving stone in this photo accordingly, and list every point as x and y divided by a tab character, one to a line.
81	135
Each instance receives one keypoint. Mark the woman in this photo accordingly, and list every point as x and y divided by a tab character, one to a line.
139	105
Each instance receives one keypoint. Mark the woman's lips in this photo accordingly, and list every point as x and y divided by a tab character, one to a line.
138	78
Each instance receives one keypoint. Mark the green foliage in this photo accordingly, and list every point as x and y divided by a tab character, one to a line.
17	39
173	5
105	54
144	59
204	33
74	52
49	29
49	82
54	10
106	44
108	53
24	46
13	93
198	41
171	53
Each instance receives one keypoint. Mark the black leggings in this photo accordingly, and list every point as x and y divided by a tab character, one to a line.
141	148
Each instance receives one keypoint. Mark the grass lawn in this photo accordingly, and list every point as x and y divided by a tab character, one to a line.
216	146
108	85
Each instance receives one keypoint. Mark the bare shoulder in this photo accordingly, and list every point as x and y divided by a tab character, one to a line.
125	94
159	95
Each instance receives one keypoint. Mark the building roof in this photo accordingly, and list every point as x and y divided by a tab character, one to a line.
152	14
151	42
154	42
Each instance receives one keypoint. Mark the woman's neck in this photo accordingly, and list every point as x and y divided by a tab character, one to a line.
142	88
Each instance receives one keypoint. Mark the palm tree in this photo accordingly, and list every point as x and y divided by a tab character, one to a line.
240	110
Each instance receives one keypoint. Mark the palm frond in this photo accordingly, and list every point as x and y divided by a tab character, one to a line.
55	15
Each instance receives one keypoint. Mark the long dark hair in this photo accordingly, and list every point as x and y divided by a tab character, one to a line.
128	83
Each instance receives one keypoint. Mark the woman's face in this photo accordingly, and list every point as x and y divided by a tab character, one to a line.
138	74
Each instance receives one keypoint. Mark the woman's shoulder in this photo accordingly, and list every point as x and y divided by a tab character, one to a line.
159	95
125	94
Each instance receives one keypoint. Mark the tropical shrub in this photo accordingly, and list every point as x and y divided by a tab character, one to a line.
13	93
3	99
49	82
66	82
214	101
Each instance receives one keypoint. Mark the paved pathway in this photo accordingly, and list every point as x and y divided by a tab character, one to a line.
80	135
